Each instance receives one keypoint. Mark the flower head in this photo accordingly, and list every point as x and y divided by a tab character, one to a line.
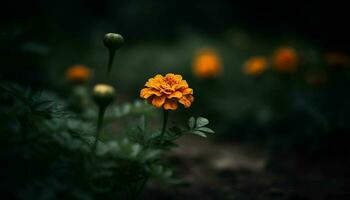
255	65
207	64
285	60
166	91
103	94
78	74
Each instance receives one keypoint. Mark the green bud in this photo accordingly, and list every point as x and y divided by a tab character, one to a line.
103	94
113	41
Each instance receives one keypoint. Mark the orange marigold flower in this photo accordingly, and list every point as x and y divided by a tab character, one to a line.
337	59
255	65
285	60
207	64
166	91
78	74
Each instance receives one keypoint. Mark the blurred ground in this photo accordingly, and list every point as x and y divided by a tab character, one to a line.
219	170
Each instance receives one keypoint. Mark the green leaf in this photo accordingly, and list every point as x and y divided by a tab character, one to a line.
199	133
167	173
161	172
168	145
135	150
201	121
191	122
151	154
175	131
205	129
126	108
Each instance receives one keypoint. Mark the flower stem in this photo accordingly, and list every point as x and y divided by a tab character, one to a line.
140	187
165	120
101	113
110	60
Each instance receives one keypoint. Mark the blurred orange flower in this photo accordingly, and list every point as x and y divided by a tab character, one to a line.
166	91
207	64
285	60
78	74
255	65
337	59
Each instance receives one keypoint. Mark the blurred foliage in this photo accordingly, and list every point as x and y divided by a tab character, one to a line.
46	150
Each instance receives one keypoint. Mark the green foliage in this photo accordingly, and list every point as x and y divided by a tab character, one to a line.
47	150
197	126
116	112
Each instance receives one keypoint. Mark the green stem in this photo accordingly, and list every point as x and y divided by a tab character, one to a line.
165	120
140	188
101	113
110	60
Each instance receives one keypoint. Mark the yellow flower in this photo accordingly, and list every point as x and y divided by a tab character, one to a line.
207	64
337	59
285	60
255	65
166	91
78	74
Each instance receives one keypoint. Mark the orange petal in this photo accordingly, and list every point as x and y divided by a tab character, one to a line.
152	84
187	91
176	94
170	105
181	85
156	92
190	98
158	101
169	75
186	102
145	93
167	91
158	76
178	77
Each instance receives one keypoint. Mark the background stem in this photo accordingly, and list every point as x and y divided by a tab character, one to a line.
99	127
110	60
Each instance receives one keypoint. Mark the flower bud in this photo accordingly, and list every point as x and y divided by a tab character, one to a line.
113	41
103	94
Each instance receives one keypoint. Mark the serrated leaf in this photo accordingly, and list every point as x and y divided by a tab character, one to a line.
205	129
191	122
199	133
201	121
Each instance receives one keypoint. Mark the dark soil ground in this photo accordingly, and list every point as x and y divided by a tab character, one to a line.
219	170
